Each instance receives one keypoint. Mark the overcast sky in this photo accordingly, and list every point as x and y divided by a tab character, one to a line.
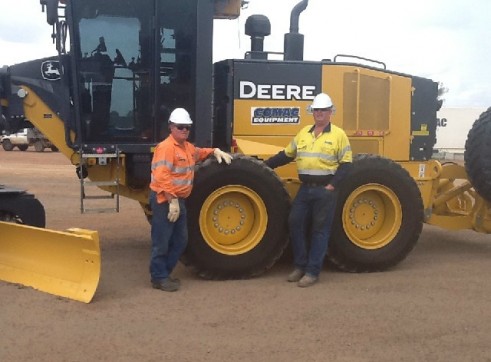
448	41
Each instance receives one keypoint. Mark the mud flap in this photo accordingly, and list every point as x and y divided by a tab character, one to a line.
66	264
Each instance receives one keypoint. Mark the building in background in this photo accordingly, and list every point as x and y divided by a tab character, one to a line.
453	126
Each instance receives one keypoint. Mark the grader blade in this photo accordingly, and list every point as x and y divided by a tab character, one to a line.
66	264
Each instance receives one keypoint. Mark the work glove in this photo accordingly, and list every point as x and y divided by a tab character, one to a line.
220	155
174	210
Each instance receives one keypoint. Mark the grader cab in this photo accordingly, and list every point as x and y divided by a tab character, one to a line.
104	102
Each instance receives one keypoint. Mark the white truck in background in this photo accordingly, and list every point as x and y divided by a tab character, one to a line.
25	138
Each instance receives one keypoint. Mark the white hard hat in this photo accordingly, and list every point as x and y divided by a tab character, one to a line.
180	116
322	100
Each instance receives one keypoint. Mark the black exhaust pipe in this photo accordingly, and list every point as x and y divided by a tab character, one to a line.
294	41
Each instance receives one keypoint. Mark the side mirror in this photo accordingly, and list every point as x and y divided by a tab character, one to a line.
51	11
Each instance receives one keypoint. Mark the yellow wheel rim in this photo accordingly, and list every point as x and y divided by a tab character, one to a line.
233	220
372	216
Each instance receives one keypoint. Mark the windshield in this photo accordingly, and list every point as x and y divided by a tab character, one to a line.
115	64
136	63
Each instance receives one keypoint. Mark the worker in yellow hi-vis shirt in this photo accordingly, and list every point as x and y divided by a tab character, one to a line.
323	156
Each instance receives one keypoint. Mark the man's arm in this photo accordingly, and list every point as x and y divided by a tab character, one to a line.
278	160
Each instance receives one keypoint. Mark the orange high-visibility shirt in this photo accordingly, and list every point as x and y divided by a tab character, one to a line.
173	167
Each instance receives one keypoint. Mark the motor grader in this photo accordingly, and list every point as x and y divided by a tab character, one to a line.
123	66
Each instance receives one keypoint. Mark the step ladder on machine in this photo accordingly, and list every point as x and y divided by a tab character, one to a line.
101	159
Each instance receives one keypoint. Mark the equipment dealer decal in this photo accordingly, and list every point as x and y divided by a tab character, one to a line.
51	70
280	115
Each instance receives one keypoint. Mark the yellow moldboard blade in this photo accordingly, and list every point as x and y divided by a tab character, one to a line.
67	264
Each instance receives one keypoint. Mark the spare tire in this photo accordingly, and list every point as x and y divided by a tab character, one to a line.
237	219
477	155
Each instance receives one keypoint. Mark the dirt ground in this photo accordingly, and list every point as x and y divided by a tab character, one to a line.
434	306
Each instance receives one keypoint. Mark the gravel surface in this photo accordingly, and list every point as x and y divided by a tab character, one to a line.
434	306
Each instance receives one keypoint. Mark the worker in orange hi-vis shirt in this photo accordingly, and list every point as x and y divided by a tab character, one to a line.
172	181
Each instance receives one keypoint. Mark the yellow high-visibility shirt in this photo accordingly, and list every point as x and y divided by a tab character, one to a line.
321	155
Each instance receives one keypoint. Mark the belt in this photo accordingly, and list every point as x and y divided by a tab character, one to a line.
313	184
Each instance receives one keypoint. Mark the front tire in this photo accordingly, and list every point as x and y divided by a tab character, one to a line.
477	155
20	207
379	216
237	219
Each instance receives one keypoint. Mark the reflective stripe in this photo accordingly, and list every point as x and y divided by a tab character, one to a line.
161	163
344	151
184	182
172	168
322	156
291	149
177	182
316	172
293	145
182	170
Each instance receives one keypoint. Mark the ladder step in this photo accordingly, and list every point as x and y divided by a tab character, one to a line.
98	207
98	197
100	210
101	183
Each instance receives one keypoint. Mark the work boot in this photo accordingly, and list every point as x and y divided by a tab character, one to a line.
307	281
295	275
175	280
167	285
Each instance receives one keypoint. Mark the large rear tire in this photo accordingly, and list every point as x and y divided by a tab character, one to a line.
237	219
379	216
477	155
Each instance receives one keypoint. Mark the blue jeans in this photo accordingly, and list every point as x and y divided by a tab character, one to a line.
169	239
312	211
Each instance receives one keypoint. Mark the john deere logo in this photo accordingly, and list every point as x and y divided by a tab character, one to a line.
51	70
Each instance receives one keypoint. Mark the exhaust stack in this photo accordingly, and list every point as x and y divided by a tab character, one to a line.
294	41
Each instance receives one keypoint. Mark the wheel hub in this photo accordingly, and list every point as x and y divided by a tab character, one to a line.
233	219
229	217
372	216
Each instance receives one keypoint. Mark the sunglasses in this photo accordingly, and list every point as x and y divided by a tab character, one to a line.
321	109
181	127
